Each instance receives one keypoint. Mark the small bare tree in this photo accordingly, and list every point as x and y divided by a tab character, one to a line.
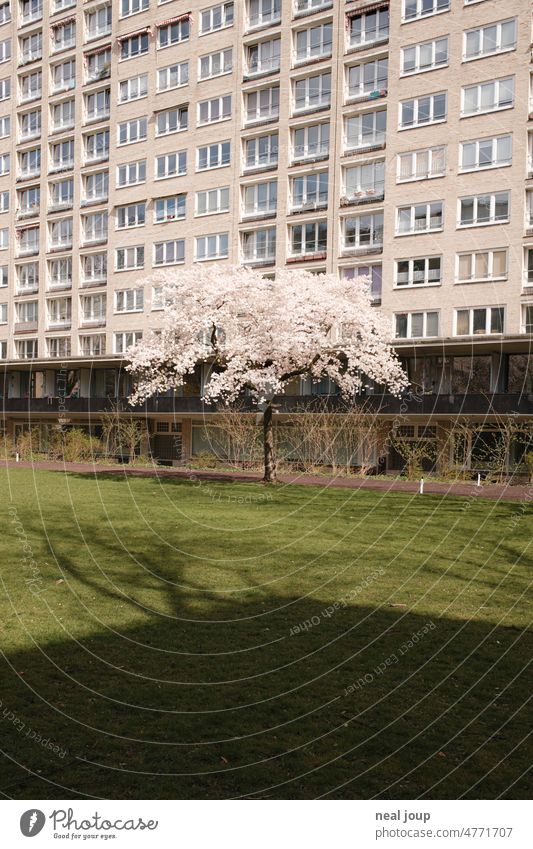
122	433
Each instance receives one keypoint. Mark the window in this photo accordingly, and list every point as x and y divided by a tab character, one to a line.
309	190
365	181
97	146
425	271
171	165
212	201
133	89
4	238
215	64
5	87
169	209
97	65
371	274
64	36
479	321
131	173
425	56
97	105
261	151
312	92
368	79
31	86
366	130
63	115
29	241
428	109
132	131
5	164
261	198
127	259
420	218
92	346
62	155
61	5
413	9
98	23
216	109
480	266
135	45
414	325
94	268
28	277
30	163
173	33
490	39
96	186
173	76
132	215
486	153
5	13
215	18
4	201
5	50
26	349
527	318
129	300
28	311
62	193
369	27
259	245
4	275
95	227
262	12
3	313
123	341
310	142
31	47
308	238
215	246
214	155
169	253
93	308
488	97
59	311
172	120
314	42
484	209
132	7
64	75
262	104
421	164
5	127
363	231
60	273
31	10
263	57
59	347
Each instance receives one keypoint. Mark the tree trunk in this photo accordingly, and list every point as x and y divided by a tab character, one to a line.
268	442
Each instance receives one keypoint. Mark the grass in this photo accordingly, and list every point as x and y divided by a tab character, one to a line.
162	646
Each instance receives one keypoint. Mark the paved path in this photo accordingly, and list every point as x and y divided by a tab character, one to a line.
496	492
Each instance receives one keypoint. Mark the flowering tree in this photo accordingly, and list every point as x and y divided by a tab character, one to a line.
259	334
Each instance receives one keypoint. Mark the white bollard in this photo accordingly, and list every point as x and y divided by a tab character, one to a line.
17	457
478	479
421	491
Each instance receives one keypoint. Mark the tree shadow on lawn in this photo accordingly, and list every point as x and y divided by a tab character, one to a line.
267	697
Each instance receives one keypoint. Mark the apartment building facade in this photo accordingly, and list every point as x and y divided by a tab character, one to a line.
387	139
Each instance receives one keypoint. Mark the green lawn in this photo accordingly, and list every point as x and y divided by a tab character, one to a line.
154	636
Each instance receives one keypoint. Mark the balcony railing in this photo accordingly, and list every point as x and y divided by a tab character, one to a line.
366	142
263	19
28	250
28	56
91	282
29	289
60	285
263	66
26	326
309	7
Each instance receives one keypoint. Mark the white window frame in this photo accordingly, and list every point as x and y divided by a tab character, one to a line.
165	120
212	201
219	146
493	219
180	156
498	43
409	315
129	300
310	100
182	30
413	230
133	258
136	126
216	64
133	7
171	208
475	278
217	108
220	241
163	248
134	46
134	88
173	76
416	101
432	153
488	321
413	279
437	8
135	173
261	160
419	50
130	216
216	22
494	162
496	105
123	341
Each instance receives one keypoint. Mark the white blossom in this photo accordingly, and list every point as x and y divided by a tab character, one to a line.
260	333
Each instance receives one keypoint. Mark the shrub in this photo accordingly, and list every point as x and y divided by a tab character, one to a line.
204	460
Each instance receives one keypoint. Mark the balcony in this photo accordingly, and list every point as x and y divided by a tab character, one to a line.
359	95
256	119
28	250
64	245
60	285
26	326
62	127
301	59
98	74
98	32
259	257
303	8
60	205
31	17
364	196
262	68
94	201
29	289
25	213
309	206
30	135
307	256
29	96
97	116
64	85
29	56
94	158
93	321
59	167
364	144
310	153
263	20
94	239
93	282
59	323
